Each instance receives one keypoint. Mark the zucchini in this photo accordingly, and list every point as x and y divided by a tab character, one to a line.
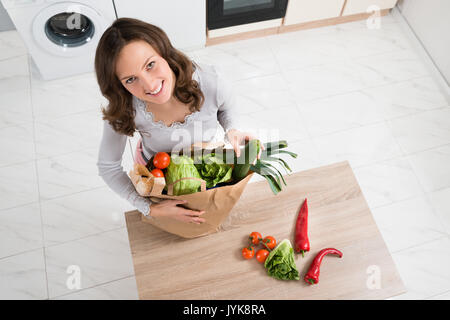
245	160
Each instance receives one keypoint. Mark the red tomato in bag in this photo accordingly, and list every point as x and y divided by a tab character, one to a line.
157	173
161	160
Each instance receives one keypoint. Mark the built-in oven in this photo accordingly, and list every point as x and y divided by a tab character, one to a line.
227	13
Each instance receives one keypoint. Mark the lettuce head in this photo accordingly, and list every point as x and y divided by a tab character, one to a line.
181	167
280	263
213	170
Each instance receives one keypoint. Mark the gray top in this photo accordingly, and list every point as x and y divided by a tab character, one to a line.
219	107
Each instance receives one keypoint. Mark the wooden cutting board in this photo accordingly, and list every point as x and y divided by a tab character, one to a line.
211	267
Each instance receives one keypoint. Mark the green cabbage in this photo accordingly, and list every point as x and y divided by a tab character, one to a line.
181	167
213	170
280	263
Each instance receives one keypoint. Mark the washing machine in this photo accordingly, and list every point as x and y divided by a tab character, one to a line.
61	36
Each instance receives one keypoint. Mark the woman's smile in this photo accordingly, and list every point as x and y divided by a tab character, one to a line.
158	91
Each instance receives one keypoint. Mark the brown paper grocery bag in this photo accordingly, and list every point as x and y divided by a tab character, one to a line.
216	202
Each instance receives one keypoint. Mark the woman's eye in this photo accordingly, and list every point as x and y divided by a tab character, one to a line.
149	66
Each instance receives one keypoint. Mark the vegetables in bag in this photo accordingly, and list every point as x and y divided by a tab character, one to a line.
213	170
181	167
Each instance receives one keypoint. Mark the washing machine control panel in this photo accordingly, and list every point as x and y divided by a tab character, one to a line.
11	4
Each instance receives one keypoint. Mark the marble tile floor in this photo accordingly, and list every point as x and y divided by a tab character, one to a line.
336	93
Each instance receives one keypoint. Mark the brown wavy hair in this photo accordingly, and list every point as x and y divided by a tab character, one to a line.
120	112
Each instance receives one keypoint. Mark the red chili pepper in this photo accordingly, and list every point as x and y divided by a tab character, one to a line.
301	230
312	277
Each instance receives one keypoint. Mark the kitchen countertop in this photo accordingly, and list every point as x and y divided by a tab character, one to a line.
211	267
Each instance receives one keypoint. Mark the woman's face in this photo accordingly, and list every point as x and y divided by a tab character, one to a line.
144	73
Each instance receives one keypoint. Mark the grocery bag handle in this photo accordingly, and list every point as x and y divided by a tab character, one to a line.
170	186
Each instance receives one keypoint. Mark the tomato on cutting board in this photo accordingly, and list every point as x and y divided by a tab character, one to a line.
255	237
248	252
270	242
261	255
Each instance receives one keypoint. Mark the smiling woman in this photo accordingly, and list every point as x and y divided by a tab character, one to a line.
131	58
154	81
156	90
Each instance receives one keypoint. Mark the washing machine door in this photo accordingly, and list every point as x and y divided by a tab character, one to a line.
68	28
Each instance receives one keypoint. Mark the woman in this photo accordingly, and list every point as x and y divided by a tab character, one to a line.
156	90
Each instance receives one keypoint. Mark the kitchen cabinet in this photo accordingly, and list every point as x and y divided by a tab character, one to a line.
304	14
183	21
429	20
360	6
300	11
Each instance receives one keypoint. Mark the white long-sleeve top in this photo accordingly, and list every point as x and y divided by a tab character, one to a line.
219	107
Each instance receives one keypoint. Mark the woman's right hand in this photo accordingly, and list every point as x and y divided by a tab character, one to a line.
169	208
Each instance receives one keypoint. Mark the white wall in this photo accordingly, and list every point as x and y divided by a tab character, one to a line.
430	21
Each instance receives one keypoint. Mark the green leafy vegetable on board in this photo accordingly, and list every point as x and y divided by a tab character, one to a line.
280	263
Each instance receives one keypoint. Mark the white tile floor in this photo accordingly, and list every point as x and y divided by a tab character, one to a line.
336	93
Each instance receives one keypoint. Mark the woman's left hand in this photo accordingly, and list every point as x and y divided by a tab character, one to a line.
238	138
